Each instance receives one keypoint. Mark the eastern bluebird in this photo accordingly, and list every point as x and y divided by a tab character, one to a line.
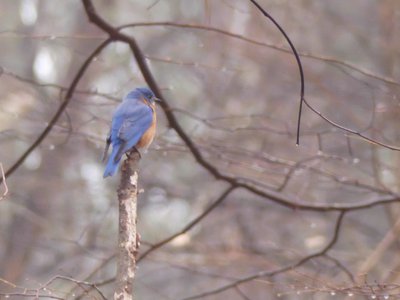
133	126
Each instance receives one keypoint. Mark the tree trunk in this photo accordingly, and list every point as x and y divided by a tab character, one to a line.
127	235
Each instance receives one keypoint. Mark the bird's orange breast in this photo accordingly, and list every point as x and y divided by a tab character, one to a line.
148	136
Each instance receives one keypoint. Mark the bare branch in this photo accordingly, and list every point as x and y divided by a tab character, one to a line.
298	61
78	282
57	86
191	224
271	195
341	266
327	59
30	296
278	271
60	110
3	178
127	234
357	133
46	291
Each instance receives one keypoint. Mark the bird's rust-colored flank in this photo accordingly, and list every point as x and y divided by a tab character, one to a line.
148	136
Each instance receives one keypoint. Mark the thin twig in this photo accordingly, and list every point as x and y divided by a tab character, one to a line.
296	55
3	178
58	86
60	110
352	131
191	224
30	295
328	59
277	271
341	266
76	281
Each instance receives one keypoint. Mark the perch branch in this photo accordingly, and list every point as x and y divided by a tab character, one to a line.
127	234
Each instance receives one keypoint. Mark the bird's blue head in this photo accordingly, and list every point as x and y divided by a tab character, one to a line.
147	94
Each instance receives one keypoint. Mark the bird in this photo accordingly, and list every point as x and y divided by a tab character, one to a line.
133	126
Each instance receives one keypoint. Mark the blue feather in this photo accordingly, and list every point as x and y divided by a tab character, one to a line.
112	164
131	120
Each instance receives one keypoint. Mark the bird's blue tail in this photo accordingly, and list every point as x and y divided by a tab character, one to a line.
112	165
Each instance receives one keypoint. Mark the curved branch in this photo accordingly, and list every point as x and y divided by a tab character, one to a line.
296	55
60	110
327	59
148	76
58	87
278	271
357	133
271	195
190	224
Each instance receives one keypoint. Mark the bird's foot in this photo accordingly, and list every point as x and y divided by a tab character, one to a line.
134	149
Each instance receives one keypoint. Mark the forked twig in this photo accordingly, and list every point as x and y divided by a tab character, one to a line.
3	178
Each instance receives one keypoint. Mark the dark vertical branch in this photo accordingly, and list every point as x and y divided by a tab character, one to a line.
127	241
296	55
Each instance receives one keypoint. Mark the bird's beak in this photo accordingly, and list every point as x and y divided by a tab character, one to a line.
157	100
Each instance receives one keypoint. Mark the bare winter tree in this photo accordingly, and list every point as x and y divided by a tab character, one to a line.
228	206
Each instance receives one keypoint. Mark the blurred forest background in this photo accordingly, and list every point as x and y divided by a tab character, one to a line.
324	220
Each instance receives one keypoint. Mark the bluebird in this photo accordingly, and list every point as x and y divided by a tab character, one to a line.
133	126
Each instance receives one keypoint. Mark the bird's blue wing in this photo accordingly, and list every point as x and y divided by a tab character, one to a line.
130	122
136	123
